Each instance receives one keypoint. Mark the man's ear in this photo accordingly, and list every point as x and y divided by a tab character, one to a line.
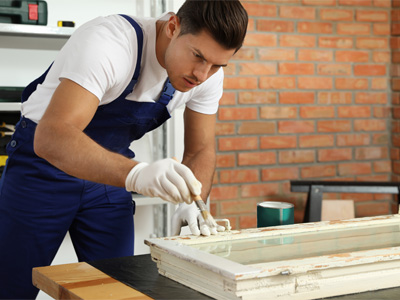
173	26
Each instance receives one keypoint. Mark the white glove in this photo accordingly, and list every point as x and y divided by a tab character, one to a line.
189	214
166	179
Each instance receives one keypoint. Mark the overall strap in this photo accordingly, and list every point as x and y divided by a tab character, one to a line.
139	34
168	90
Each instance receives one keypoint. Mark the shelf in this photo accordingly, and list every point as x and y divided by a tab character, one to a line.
10	106
35	31
141	200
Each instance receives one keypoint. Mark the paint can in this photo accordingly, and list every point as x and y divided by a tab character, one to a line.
272	213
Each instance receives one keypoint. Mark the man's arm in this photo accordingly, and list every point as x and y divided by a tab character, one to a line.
199	154
59	138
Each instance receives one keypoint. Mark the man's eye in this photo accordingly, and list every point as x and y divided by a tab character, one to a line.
196	55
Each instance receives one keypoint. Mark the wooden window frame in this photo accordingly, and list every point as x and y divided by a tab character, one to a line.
302	278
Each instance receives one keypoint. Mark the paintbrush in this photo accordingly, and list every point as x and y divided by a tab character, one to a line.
208	218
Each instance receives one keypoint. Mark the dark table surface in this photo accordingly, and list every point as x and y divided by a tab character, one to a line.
141	273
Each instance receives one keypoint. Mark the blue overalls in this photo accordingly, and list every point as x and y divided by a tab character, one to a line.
40	203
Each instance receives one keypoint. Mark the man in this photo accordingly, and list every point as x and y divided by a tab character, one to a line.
70	167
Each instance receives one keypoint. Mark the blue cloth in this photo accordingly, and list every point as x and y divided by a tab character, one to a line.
40	203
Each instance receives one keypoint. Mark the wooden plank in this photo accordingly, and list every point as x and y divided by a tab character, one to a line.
81	281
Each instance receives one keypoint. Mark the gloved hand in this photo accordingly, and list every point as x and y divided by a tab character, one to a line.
189	214
166	179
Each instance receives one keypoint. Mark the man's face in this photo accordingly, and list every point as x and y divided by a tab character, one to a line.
192	59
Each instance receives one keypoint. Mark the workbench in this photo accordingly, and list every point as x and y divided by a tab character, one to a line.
134	277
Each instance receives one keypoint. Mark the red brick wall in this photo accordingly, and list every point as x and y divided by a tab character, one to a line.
308	97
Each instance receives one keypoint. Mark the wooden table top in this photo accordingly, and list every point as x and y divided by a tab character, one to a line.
81	281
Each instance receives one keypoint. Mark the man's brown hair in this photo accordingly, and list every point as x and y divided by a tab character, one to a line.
225	20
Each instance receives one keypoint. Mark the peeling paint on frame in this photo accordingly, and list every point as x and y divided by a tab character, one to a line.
332	274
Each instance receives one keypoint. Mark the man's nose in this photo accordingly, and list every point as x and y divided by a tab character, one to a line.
201	72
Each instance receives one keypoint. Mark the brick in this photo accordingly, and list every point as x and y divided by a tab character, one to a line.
319	2
351	83
224	192
237	113
369	70
381	139
278	112
317	112
382	3
225	128
296	126
334	126
369	125
230	69
353	140
381	56
259	190
372	16
381	112
325	155
334	69
395	70
237	143
372	209
296	97
256	158
318	171
315	55
240	83
315	27
296	12
371	153
346	169
334	97
296	156
278	142
275	174
395	14
371	98
226	161
245	53
329	14
355	111
379	83
351	56
372	43
257	97
315	83
355	2
238	176
381	29
296	69
260	40
396	84
248	221
315	141
382	166
297	41
275	26
260	10
277	54
395	42
228	98
335	42
238	207
257	128
257	68
277	83
353	29
395	28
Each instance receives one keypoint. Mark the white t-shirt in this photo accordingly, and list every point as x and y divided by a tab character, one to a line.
101	57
